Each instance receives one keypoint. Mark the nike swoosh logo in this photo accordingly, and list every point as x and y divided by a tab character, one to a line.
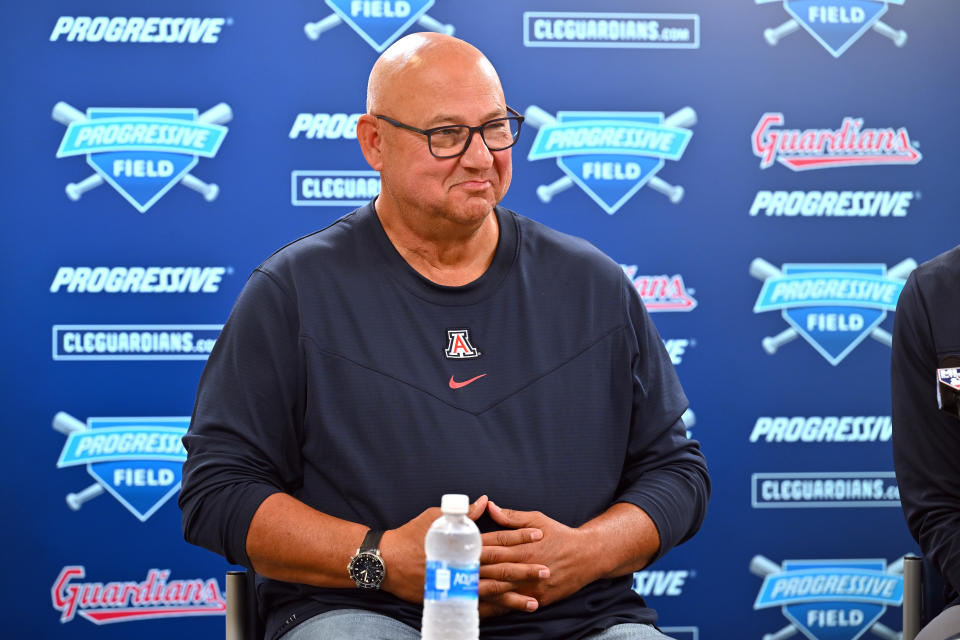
456	385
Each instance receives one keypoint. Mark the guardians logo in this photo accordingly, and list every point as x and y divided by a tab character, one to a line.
378	22
153	598
830	599
610	154
851	145
142	153
835	24
661	292
833	306
136	460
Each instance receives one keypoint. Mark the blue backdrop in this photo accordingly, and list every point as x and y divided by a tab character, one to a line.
767	171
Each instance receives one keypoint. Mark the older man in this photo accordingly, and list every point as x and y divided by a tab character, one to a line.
432	342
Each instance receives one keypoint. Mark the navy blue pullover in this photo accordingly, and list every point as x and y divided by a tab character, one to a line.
331	381
926	441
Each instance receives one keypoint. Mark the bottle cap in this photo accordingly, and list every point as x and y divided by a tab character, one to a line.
455	503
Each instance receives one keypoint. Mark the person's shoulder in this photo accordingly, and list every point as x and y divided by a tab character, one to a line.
939	277
329	245
562	250
944	267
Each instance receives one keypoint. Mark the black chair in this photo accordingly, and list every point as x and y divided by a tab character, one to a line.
242	615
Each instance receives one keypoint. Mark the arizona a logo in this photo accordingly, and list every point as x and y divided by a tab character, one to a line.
459	346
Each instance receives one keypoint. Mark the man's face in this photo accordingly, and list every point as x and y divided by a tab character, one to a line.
462	189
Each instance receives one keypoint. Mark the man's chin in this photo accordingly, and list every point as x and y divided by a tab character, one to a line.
473	209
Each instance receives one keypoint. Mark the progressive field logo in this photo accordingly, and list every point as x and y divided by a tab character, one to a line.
833	306
610	154
136	460
142	153
126	601
835	24
830	599
378	22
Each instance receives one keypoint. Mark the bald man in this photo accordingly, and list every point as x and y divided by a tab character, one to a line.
434	342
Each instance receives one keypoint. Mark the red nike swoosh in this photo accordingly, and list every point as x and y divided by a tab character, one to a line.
456	385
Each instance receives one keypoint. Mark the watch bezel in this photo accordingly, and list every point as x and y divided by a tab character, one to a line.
355	567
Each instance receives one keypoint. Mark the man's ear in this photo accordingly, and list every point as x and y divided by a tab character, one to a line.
368	135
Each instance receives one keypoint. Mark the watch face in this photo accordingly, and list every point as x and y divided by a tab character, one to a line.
367	570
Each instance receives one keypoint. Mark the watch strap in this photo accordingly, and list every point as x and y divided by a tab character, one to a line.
371	541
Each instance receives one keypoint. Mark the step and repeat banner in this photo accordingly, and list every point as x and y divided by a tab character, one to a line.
767	172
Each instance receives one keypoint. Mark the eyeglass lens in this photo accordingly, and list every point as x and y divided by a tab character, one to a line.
497	135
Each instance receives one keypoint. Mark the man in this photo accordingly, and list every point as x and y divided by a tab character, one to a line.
432	342
926	440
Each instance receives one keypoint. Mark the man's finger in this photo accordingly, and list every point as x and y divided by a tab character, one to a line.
477	508
491	593
508	572
510	537
518	554
510	517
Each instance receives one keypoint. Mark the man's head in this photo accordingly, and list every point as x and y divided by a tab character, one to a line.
426	80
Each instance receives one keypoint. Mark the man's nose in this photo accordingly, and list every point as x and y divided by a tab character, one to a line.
477	154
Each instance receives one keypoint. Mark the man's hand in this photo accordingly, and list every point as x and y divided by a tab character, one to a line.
403	553
537	562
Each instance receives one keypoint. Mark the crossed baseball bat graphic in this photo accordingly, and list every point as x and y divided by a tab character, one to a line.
218	114
774	35
761	269
67	424
537	117
762	566
314	29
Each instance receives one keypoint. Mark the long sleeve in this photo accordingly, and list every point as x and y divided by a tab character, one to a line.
665	473
926	441
242	445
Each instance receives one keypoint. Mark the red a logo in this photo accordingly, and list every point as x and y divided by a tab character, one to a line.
458	345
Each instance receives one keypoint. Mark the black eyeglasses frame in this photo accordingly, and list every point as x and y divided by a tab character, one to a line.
514	115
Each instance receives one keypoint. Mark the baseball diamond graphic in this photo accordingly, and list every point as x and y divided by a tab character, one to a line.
836	24
378	23
833	306
610	154
137	460
830	599
142	153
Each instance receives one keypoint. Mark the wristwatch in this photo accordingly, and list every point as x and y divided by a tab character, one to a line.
366	567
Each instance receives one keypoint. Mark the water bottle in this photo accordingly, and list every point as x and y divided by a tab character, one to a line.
453	573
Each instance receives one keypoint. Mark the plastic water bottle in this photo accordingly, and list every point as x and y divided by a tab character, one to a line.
453	574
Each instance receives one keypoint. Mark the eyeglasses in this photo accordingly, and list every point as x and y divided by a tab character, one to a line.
452	140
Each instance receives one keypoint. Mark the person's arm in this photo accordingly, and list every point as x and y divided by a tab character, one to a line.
290	541
242	445
926	441
661	501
